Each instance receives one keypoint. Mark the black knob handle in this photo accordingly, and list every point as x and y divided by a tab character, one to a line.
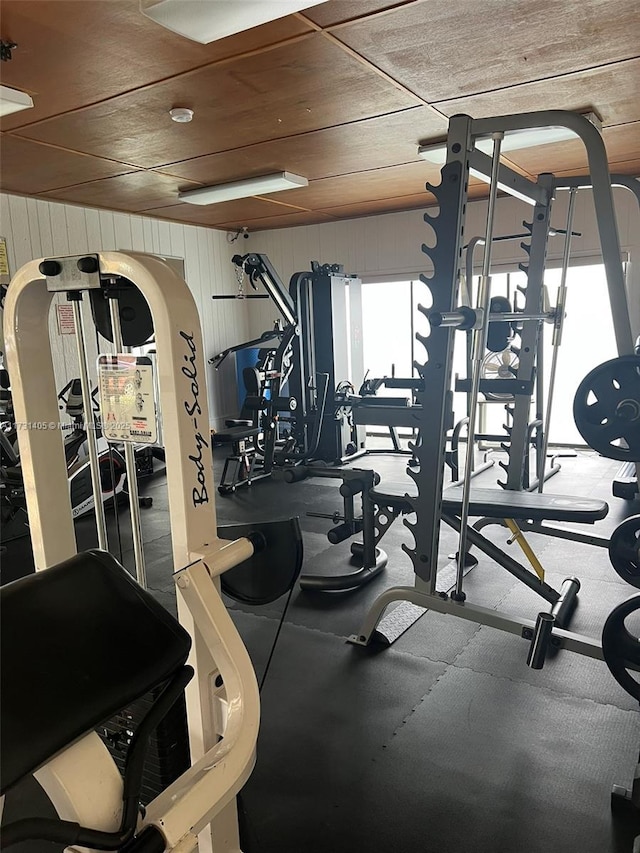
88	265
50	268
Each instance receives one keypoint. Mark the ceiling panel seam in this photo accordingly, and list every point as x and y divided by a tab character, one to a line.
282	138
385	76
569	74
358	18
228	60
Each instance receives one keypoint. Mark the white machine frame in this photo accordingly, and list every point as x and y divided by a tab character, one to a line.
223	709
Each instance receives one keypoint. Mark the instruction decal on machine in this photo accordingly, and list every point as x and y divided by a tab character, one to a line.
66	322
127	400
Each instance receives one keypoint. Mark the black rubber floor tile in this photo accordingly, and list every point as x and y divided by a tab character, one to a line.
437	637
486	764
327	711
566	673
596	599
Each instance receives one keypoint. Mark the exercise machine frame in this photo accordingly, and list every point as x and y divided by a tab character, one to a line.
83	783
448	225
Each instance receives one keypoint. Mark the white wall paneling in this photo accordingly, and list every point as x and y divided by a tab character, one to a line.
390	245
35	228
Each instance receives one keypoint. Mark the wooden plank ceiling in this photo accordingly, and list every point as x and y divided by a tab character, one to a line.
343	94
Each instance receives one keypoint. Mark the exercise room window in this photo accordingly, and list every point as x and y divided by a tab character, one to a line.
390	317
387	325
588	339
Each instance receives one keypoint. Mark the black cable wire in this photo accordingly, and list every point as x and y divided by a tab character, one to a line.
245	821
275	641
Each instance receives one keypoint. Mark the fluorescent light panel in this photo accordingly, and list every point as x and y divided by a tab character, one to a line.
208	20
12	101
514	140
243	189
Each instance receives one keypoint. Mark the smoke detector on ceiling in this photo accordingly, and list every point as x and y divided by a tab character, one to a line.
181	114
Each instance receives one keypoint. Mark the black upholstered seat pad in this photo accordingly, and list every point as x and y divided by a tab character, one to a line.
79	641
236	433
500	503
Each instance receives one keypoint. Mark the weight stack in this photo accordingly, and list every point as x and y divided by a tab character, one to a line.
167	755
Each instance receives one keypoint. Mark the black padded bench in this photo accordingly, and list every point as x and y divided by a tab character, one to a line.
235	433
80	642
498	503
529	508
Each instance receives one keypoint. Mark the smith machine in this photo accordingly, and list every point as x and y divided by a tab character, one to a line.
83	643
427	502
606	408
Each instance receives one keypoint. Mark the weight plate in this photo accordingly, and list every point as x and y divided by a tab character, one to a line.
136	323
270	572
624	550
620	649
606	408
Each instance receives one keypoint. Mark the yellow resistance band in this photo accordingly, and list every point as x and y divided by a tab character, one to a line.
518	536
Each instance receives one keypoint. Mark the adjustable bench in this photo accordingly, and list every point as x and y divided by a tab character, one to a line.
499	505
530	509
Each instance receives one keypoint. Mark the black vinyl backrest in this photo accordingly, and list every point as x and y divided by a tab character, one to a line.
251	379
79	642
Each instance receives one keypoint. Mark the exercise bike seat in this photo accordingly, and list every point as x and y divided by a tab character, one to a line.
79	642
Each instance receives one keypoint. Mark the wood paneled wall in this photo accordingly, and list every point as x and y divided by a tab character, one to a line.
35	228
390	245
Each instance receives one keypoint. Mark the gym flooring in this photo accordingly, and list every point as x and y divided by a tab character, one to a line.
442	743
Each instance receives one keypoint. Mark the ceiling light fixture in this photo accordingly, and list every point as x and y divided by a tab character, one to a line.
12	101
208	20
514	140
244	189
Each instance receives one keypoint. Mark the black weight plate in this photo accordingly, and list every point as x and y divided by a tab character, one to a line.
624	550
270	572
136	322
620	649
606	408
